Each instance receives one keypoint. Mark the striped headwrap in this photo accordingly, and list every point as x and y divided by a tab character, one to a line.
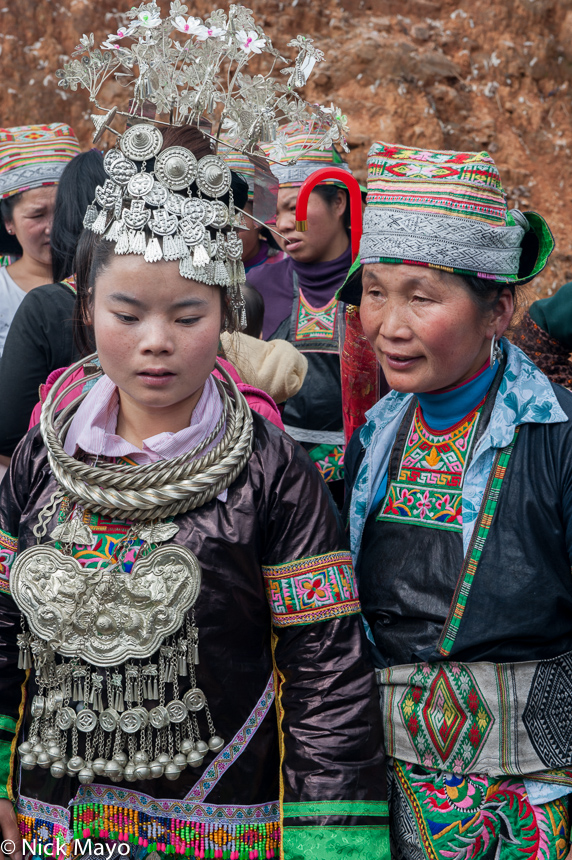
238	162
300	145
34	155
447	210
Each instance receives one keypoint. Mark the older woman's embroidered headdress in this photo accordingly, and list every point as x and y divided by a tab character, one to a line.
446	210
186	71
32	156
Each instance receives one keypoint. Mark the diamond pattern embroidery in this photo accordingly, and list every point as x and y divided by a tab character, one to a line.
445	715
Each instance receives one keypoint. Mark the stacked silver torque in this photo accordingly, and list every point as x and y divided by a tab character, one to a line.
115	648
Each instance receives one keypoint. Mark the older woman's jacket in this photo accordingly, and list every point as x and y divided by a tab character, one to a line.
281	662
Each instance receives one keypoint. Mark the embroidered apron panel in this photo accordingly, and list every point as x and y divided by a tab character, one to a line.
428	490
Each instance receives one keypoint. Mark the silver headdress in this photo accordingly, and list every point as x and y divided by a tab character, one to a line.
163	203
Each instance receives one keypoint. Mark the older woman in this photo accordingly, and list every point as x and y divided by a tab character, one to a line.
461	516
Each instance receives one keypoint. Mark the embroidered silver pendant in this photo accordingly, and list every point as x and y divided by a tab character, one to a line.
174	204
140	184
104	615
176	167
158	533
73	531
122	170
233	247
136	217
219	217
108	194
141	142
163	223
194	208
213	176
193	232
157	196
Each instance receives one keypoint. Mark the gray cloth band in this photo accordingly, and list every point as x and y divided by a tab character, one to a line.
441	240
31	176
301	170
315	437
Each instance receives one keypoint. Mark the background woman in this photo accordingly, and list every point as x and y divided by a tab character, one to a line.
32	159
202	763
299	296
40	339
461	515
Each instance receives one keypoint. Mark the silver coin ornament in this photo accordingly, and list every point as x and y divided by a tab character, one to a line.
213	176
157	196
141	142
193	232
130	722
122	170
177	711
194	700
174	204
219	217
176	167
86	720
194	208
65	718
140	184
109	159
159	717
208	216
109	720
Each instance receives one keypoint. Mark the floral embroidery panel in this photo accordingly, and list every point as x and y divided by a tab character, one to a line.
429	487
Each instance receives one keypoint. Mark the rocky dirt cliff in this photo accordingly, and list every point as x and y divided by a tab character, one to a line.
458	74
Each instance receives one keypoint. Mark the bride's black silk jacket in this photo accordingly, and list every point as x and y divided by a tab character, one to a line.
271	618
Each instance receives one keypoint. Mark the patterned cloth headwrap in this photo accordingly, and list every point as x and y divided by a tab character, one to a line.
34	155
301	147
238	162
441	209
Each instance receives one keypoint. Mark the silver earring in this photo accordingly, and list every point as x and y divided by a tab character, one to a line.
496	351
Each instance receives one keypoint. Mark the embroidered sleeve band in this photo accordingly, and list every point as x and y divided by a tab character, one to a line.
311	589
8	550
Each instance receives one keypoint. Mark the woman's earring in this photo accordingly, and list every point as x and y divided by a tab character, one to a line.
496	351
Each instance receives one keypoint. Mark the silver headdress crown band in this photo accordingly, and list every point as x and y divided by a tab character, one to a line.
442	240
193	73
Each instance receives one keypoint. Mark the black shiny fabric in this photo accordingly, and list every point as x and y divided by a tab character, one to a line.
520	601
277	510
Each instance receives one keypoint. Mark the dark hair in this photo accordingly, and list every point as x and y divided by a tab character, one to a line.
94	253
254	310
329	193
484	293
76	190
9	245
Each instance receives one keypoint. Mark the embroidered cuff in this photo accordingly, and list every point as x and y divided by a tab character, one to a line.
8	550
311	589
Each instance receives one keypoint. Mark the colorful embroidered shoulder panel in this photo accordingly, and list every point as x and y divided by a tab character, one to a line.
429	487
316	324
8	550
311	589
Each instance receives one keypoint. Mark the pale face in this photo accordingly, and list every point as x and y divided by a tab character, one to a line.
157	333
32	223
325	239
426	330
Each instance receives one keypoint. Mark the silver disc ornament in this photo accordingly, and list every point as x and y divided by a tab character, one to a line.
163	223
194	208
193	232
174	204
141	142
140	184
194	699
213	176
219	216
157	196
176	167
109	159
122	170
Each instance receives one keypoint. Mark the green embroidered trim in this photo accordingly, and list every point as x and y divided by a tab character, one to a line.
7	723
5	770
315	323
480	534
323	843
357	808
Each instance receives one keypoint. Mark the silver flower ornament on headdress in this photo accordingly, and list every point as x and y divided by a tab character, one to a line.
193	72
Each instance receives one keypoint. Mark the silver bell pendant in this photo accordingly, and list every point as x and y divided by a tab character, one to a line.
216	743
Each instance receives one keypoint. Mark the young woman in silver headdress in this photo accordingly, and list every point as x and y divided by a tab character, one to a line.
183	655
